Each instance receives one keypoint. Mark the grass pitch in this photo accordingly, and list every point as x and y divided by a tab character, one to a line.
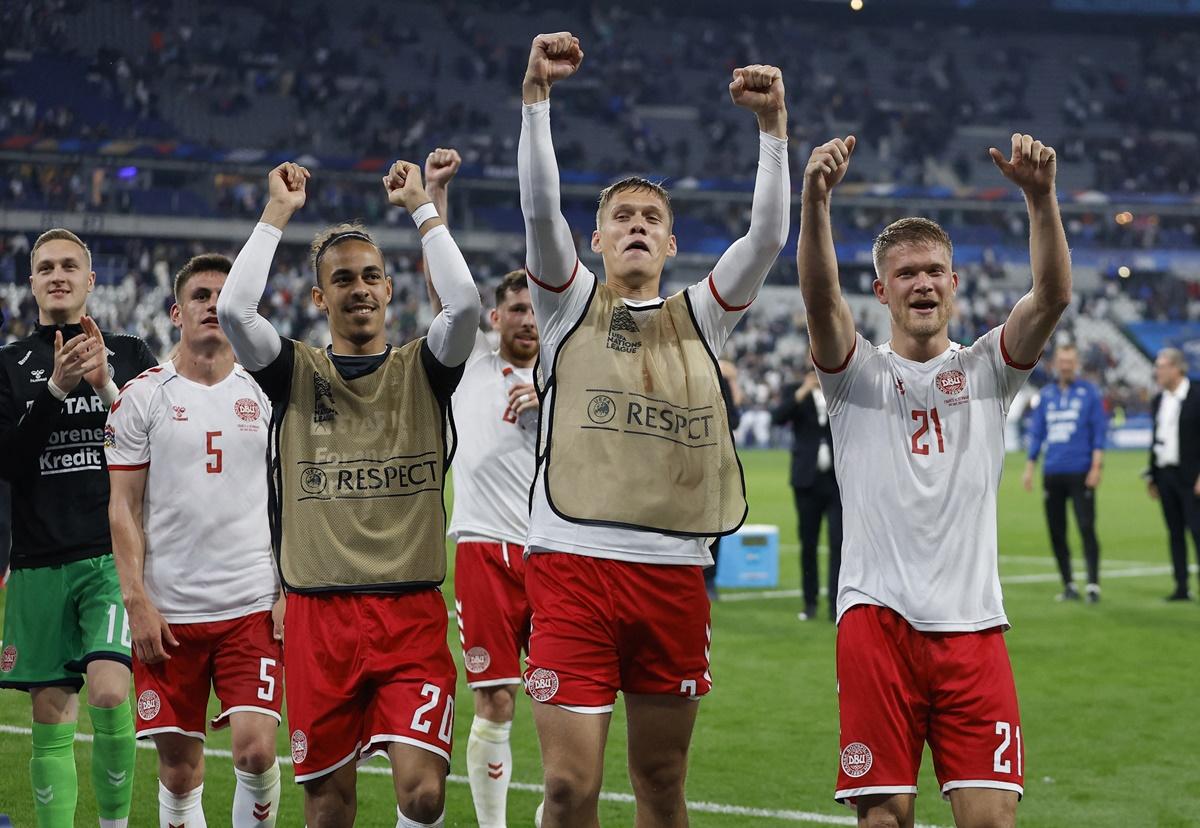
1108	695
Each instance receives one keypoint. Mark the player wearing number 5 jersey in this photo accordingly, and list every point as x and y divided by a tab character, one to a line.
918	436
63	619
361	445
186	444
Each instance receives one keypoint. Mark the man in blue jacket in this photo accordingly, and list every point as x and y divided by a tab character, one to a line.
1070	422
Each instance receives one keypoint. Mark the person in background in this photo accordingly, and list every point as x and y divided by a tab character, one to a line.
1174	476
1069	421
814	486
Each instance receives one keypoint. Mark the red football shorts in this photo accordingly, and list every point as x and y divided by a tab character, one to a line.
899	688
365	670
493	612
600	626
239	658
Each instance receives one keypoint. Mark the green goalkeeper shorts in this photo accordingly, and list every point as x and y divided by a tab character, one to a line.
57	619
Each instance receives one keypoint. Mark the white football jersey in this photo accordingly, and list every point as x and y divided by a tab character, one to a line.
919	449
550	533
494	457
208	542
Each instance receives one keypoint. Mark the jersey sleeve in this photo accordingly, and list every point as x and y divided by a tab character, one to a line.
1010	376
837	381
127	433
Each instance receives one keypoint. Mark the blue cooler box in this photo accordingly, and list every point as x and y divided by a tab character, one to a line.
749	557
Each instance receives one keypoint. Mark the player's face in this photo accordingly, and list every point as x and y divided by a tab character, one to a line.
634	236
195	313
1066	366
513	318
61	280
918	286
354	291
1166	373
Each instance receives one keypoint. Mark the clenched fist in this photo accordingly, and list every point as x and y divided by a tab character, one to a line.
403	185
1032	167
827	167
758	88
552	57
286	185
441	166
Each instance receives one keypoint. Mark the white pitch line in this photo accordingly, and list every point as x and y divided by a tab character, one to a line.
609	796
1041	578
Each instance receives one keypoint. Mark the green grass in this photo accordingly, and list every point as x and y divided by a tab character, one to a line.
1108	694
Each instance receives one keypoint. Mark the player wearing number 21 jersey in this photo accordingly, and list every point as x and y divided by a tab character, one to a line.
186	444
918	437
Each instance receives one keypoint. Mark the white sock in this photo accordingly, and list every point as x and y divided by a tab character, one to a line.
404	822
123	822
489	768
256	798
184	811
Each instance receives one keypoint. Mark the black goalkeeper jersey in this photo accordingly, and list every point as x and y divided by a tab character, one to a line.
52	451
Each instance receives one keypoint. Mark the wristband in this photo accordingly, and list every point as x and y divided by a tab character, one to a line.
108	393
55	391
424	213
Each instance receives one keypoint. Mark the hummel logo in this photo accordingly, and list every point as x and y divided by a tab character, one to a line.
116	778
44	795
37	375
496	771
262	811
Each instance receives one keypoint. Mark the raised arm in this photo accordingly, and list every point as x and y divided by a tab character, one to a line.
441	166
830	322
452	332
741	270
1033	167
255	340
551	255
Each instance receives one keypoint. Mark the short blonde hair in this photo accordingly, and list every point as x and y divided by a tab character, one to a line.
634	182
912	230
58	234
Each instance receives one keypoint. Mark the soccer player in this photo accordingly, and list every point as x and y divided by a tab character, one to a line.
63	617
361	444
495	417
637	467
918	441
1069	421
186	444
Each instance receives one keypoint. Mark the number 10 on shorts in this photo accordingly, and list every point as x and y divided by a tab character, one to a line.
999	763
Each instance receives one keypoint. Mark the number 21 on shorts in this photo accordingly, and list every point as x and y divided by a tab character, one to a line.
1008	734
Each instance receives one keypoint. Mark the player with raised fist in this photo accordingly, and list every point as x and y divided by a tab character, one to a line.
918	439
637	468
360	427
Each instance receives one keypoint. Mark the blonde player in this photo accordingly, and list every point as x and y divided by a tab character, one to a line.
187	444
637	466
918	437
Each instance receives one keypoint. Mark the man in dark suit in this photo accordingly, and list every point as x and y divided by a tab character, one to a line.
813	484
1175	460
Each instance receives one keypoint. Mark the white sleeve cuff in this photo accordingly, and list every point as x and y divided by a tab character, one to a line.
57	392
269	229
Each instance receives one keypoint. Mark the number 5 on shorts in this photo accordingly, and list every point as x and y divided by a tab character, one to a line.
999	763
267	691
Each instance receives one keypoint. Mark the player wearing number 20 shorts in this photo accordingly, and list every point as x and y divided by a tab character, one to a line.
186	444
918	436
